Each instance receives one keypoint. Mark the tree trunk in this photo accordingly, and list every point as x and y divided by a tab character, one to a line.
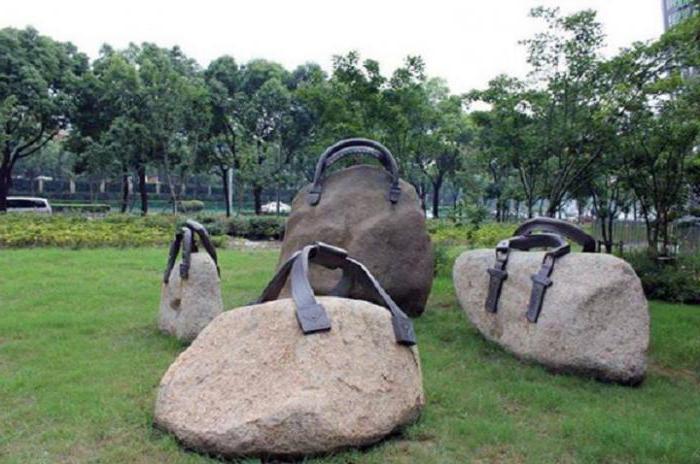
142	189
171	184
4	187
437	185
224	179
125	192
257	198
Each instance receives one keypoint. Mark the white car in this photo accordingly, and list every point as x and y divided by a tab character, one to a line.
271	208
28	205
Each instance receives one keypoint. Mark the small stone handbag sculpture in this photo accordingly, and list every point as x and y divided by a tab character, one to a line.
191	293
372	213
299	376
572	312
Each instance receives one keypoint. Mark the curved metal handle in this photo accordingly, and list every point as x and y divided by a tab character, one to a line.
172	256
188	247
311	315
185	238
498	274
544	240
203	235
557	226
355	146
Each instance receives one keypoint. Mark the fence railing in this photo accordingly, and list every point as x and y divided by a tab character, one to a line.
632	235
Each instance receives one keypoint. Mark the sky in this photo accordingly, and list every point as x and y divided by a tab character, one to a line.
467	42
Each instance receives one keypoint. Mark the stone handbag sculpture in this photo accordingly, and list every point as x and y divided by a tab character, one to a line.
299	376
373	214
572	312
191	295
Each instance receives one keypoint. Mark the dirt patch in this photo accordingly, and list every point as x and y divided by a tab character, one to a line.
244	244
676	374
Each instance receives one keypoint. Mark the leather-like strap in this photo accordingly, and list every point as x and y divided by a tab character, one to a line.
172	256
355	146
557	226
185	238
311	315
187	249
203	235
498	274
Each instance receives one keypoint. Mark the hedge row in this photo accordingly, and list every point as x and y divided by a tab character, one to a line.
27	230
80	207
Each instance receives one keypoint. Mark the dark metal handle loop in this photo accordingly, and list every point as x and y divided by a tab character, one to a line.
203	235
311	315
185	238
541	281
188	246
355	146
172	256
557	226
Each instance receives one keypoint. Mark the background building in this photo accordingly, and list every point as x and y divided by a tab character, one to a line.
676	11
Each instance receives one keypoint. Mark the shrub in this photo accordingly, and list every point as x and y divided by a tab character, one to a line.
484	236
80	207
676	280
265	227
443	261
81	231
190	206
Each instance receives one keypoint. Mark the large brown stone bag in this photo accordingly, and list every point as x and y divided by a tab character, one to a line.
295	377
191	293
582	313
373	214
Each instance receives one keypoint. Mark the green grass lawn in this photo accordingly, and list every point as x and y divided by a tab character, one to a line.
80	360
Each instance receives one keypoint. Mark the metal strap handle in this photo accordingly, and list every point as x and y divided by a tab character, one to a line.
185	238
311	315
203	235
541	281
172	256
355	146
557	226
188	246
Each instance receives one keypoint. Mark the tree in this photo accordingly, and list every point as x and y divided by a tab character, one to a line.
565	59
507	141
225	100
446	141
140	107
659	127
37	82
266	109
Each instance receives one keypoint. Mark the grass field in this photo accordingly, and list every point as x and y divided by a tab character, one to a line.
80	360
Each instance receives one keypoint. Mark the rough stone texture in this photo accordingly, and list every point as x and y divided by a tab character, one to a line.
390	239
252	385
594	319
187	306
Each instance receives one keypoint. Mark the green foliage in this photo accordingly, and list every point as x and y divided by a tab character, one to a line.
190	206
80	208
485	236
74	231
38	80
82	356
83	232
255	227
676	280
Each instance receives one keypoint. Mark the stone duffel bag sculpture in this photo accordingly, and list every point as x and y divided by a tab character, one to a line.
191	293
582	313
372	213
295	377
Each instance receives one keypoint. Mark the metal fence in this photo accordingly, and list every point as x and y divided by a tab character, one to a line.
632	235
